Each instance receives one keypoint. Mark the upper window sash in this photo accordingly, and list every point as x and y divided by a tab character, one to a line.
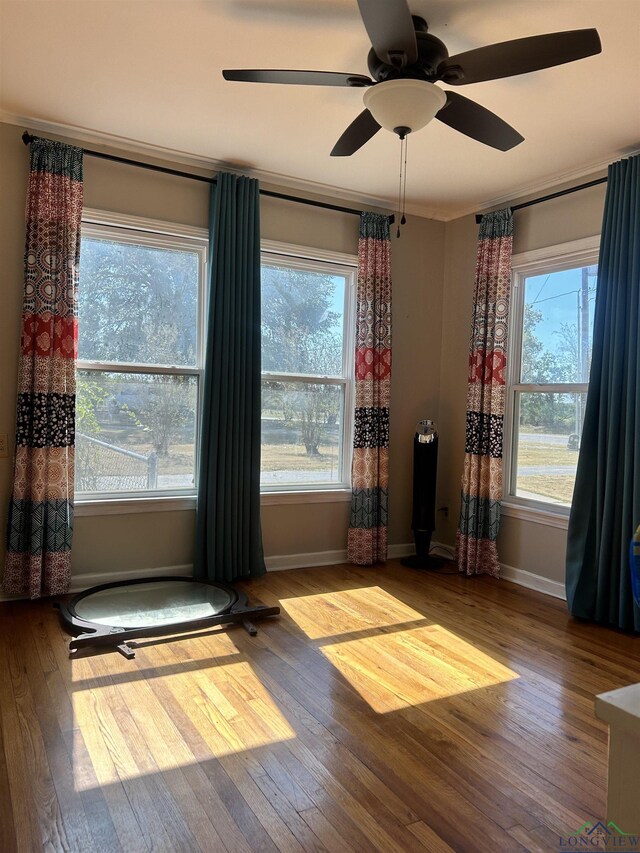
133	231
306	259
539	261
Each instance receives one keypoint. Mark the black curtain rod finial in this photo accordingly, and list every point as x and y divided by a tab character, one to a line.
27	138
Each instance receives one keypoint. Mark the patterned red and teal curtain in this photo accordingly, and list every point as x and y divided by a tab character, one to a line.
476	549
367	539
38	560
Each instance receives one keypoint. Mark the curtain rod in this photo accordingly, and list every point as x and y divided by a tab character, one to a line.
560	193
27	138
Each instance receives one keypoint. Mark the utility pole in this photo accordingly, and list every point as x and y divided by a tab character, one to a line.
584	339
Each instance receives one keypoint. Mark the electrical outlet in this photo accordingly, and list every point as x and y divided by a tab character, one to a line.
4	452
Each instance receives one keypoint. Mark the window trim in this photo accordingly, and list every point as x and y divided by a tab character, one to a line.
344	265
163	235
583	252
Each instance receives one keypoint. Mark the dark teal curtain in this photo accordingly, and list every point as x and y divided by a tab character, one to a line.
606	504
228	532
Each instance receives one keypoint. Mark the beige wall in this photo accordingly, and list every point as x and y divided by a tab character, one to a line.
112	543
522	544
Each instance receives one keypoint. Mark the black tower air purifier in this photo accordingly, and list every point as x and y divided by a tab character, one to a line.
425	465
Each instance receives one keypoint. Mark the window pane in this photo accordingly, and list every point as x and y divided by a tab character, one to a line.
135	432
301	433
302	321
558	325
137	304
546	444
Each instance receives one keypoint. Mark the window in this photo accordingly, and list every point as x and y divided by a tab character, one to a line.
550	355
139	361
307	369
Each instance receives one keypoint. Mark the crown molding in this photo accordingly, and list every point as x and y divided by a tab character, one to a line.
324	192
314	189
550	182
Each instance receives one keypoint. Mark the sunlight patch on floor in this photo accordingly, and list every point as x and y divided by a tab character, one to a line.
190	650
333	613
135	728
406	668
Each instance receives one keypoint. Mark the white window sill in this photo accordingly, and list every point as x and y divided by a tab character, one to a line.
124	506
537	515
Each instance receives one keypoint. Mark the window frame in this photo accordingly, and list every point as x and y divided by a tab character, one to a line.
162	235
563	256
342	264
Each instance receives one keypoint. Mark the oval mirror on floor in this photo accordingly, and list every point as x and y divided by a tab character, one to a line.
161	602
115	614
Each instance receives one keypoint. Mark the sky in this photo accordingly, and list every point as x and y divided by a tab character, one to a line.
557	296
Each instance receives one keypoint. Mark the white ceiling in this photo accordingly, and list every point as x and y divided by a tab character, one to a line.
150	72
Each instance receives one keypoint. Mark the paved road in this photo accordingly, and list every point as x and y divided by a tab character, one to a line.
555	470
541	438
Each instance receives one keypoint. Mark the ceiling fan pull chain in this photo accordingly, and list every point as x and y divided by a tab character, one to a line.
400	188
402	183
403	220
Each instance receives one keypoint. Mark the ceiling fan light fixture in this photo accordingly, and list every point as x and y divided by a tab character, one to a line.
406	103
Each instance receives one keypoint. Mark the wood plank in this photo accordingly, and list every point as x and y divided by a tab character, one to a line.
429	840
8	834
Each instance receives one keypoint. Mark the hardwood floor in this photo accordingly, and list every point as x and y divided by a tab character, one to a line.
386	710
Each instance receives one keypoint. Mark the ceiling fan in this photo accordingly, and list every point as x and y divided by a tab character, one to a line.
406	62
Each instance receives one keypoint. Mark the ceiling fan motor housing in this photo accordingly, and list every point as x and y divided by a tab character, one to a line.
431	52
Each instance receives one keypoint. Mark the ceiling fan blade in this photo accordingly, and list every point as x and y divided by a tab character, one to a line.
299	78
359	131
390	29
477	122
519	56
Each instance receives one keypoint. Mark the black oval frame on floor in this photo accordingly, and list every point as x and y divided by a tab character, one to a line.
89	634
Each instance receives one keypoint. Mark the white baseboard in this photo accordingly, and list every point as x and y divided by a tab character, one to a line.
532	581
326	558
523	578
283	562
333	558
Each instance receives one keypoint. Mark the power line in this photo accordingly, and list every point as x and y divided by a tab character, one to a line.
544	284
558	295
